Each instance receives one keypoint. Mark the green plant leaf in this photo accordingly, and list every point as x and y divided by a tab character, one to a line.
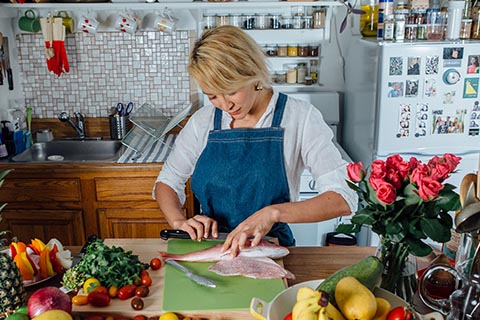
348	228
363	216
411	195
418	248
435	230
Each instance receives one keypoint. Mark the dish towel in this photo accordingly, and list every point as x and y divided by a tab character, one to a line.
158	152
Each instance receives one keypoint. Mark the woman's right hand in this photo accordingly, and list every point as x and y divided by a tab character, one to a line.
199	227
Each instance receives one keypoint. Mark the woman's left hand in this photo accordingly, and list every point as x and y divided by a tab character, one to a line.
254	228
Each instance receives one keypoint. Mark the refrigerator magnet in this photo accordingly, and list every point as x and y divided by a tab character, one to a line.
451	76
431	64
396	66
470	88
411	88
413	66
452	57
395	89
430	88
473	64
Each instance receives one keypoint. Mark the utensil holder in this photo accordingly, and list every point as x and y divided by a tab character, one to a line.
119	126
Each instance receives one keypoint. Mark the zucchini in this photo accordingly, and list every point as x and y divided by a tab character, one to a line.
368	271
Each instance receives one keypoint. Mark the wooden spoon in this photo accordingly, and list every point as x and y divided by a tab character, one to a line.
467	197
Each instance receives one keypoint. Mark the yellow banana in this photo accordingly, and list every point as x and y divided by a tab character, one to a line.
333	313
305	309
306	293
322	314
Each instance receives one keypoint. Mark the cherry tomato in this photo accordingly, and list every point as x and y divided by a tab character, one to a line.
101	289
142	291
146	281
137	281
137	303
155	264
288	317
126	291
98	299
79	300
140	317
112	291
144	272
400	313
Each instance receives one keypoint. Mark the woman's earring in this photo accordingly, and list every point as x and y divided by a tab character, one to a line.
258	87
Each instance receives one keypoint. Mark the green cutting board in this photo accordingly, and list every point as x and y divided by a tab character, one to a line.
232	293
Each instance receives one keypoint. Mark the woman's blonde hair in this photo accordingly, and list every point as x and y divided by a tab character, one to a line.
226	59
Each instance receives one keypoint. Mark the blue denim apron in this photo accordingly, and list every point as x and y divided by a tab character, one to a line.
242	170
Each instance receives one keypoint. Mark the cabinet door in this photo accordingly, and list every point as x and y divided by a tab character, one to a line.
128	223
65	225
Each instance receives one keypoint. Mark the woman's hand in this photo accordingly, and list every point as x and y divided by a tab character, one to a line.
199	227
254	228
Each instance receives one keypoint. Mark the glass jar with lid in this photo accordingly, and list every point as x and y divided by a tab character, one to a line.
301	72
313	50
307	22
297	22
319	17
282	50
303	50
281	77
236	20
209	21
222	20
261	21
275	21
287	22
298	11
249	22
271	50
292	50
291	74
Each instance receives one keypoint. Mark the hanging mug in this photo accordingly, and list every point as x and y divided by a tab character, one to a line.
126	24
67	21
460	300
166	22
88	24
29	22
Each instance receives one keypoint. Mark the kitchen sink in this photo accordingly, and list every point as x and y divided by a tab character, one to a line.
71	151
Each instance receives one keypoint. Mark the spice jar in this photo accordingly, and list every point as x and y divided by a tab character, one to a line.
301	72
308	81
236	20
291	74
287	22
422	32
298	22
319	18
261	21
222	20
271	50
209	21
275	21
410	31
249	22
303	50
282	50
307	22
281	77
292	50
313	50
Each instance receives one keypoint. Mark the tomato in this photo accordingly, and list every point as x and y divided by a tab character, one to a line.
126	291
79	300
140	317
288	317
112	291
155	264
98	299
144	272
137	303
146	281
90	284
101	289
137	281
142	291
400	313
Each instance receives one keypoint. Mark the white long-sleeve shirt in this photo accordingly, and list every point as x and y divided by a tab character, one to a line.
307	144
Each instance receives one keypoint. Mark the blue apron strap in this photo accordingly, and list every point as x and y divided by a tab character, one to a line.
217	122
279	108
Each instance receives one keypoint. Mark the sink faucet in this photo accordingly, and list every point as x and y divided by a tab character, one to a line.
79	126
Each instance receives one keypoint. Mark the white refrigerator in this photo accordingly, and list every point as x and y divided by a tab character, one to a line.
412	98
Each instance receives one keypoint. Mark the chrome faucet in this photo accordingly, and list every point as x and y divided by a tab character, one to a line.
79	126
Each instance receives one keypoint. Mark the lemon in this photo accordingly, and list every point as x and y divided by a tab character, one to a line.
168	316
54	315
90	284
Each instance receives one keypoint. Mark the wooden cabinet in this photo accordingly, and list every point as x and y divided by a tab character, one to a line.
72	201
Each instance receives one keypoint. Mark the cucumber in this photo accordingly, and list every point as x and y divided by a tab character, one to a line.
368	271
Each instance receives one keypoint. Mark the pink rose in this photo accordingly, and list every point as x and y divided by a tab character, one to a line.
440	172
413	163
429	188
378	169
433	162
452	160
386	193
394	161
375	182
355	171
393	176
419	173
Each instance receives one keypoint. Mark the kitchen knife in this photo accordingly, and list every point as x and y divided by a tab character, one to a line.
166	234
7	64
192	276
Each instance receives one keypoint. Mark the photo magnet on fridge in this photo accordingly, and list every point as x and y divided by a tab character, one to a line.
431	64
470	88
396	66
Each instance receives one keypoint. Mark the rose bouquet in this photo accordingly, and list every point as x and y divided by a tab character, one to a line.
404	202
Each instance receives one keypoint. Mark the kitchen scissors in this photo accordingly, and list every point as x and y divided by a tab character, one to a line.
123	110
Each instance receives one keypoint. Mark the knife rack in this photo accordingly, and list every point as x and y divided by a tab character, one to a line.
151	125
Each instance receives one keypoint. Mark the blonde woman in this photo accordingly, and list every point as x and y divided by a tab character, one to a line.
245	152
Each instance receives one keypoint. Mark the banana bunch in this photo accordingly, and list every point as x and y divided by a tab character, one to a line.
313	305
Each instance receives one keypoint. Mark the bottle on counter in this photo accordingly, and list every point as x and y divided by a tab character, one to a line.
369	20
385	9
399	27
389	27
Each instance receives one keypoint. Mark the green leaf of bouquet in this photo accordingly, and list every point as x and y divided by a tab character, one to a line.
411	195
435	230
348	228
354	186
418	247
364	216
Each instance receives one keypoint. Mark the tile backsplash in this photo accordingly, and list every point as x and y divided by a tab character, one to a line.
106	68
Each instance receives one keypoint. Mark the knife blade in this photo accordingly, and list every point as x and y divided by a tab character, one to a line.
192	276
166	234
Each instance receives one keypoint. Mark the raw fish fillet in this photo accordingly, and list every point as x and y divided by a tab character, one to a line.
264	249
257	268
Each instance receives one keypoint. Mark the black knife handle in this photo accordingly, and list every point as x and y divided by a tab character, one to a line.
166	234
10	79
1	77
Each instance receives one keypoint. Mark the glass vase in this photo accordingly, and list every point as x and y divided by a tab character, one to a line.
400	269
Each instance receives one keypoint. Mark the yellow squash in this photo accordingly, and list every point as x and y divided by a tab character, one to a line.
355	301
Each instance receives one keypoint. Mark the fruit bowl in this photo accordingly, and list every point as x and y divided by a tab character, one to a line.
283	303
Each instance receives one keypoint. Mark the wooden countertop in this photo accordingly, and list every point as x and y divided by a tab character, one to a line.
307	263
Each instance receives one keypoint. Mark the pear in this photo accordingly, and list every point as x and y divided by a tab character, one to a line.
355	301
54	315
